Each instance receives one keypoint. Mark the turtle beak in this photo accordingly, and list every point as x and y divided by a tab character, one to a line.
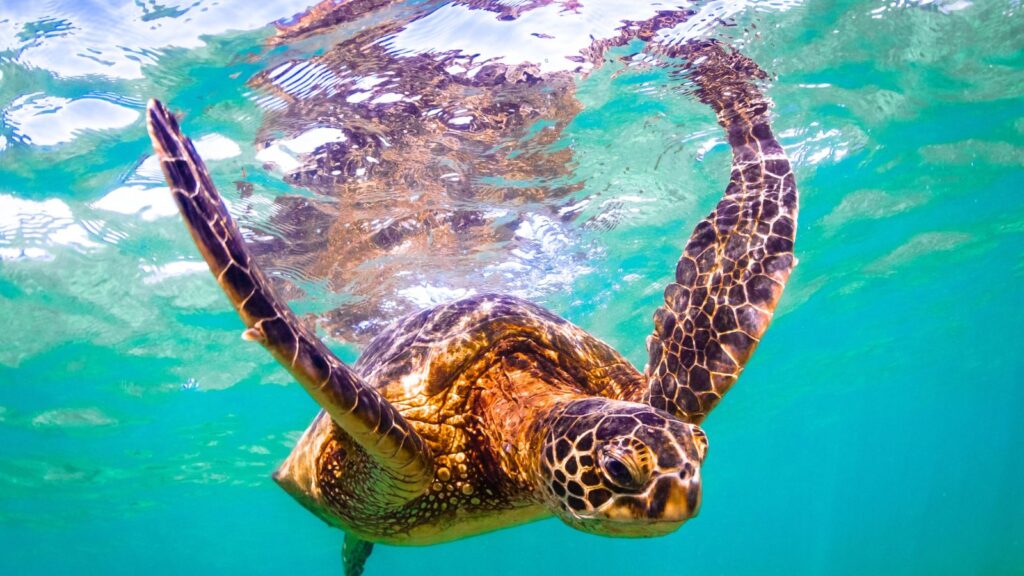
693	495
683	503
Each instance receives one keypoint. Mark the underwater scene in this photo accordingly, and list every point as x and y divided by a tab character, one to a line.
384	158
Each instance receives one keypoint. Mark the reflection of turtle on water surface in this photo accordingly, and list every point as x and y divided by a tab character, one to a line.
433	157
491	411
439	162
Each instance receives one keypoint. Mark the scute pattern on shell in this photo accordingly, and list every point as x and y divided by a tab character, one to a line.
440	342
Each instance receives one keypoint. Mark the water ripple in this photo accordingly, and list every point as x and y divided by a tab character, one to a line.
118	39
49	120
28	228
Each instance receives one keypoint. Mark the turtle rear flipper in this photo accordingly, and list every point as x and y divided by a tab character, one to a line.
359	410
354	553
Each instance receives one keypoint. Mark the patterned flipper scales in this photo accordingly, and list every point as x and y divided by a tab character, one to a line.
736	263
359	410
354	553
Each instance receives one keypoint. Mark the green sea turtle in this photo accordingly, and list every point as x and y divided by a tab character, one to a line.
490	411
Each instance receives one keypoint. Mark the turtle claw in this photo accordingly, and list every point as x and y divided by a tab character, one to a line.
254	334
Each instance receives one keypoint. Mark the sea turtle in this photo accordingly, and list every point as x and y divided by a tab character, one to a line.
490	411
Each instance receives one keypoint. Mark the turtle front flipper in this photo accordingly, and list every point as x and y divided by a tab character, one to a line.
738	259
360	411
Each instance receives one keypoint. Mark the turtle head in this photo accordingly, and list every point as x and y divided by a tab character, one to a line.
620	468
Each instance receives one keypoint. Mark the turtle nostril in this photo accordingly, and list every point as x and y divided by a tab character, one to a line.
686	472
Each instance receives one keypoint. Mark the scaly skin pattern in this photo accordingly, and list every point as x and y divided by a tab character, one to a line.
402	461
732	272
491	411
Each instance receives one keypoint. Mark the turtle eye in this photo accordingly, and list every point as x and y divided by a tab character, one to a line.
621	471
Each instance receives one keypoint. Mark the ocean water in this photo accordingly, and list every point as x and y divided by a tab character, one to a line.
877	430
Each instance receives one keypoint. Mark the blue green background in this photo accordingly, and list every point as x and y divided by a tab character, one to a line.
878	428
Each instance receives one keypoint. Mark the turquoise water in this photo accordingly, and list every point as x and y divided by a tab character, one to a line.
878	428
